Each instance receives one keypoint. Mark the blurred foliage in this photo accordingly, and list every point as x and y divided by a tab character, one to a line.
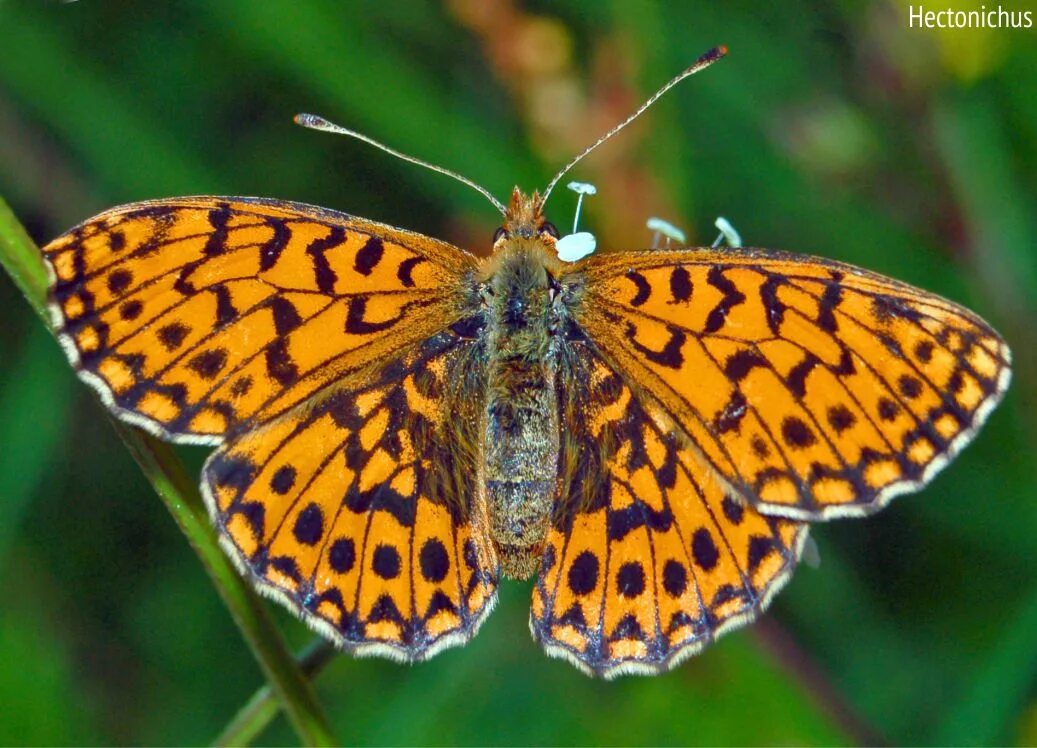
831	129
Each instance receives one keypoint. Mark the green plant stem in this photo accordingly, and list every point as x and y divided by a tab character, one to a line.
260	710
21	260
158	461
167	476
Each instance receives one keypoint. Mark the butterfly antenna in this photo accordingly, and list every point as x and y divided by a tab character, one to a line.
314	122
701	63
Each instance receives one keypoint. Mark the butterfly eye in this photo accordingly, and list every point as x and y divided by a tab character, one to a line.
499	234
549	228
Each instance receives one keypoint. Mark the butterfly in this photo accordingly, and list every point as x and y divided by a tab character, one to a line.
398	424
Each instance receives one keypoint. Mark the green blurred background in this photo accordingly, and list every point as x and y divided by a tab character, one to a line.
832	128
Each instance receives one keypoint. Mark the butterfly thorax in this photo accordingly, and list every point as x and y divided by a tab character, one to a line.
521	438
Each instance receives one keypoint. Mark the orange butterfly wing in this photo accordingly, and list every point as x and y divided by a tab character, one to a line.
649	558
319	350
359	511
195	317
814	389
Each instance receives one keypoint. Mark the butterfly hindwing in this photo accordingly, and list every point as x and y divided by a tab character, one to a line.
649	557
195	317
358	511
815	389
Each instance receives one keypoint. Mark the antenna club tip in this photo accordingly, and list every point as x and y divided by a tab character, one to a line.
712	55
308	120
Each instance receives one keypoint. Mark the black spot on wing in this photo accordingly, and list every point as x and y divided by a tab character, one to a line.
888	409
886	308
116	240
283	480
644	289
273	248
438	603
797	377
675	578
369	256
434	560
733	510
172	335
182	284
208	364
323	274
404	273
385	561
384	609
796	433
119	280
219	217
732	298
830	299
670	355
630	579
841	418
131	310
704	550
357	325
309	525
342	556
680	285
738	365
286	316
225	310
583	574
760	546
774	307
621	522
382	498
279	363
909	386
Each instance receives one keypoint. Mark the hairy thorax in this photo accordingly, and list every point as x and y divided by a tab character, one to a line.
521	438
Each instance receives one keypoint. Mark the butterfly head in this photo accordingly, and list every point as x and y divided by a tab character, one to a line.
519	283
524	218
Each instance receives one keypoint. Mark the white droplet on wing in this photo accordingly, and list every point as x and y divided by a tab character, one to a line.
573	247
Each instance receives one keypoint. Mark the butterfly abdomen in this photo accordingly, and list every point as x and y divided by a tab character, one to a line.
520	455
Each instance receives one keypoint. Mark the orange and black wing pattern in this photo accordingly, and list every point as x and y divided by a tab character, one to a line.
650	557
320	351
197	317
359	511
814	389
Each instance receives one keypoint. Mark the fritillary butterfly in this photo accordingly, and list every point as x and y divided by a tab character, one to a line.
398	423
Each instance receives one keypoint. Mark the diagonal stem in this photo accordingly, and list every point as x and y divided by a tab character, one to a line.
260	710
21	258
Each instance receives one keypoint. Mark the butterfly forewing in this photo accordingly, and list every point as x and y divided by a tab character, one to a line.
649	557
813	388
196	317
359	511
